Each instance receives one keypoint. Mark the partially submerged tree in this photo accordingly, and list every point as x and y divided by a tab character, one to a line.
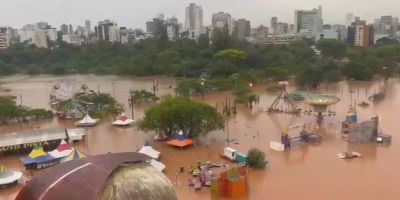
182	113
253	99
143	96
256	158
103	104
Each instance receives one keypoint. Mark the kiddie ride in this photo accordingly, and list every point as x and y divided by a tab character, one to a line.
287	142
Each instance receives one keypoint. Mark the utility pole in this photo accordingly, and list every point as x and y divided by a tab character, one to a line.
130	99
228	140
20	99
87	141
113	88
154	86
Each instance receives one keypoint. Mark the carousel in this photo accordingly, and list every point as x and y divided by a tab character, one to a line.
320	103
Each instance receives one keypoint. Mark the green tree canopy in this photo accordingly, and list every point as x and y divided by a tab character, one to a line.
182	113
332	48
256	158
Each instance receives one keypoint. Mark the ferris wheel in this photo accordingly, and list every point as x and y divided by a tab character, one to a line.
64	98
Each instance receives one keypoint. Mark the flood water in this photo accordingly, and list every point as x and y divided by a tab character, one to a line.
309	172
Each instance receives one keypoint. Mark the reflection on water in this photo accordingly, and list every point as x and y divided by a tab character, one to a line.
306	172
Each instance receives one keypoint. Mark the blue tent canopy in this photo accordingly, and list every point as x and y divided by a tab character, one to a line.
28	160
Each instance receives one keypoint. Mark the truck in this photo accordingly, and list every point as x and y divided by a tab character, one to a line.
235	156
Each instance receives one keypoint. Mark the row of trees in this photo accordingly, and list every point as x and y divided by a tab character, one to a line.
10	112
220	57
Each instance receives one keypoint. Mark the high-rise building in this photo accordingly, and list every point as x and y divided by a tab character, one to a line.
386	25
291	29
349	18
81	31
107	30
51	33
242	29
282	28
260	32
64	29
360	34
123	35
70	29
33	34
274	25
221	20
172	27
88	27
309	23
42	25
3	38
194	20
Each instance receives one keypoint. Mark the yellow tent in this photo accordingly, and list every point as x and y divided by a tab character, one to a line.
37	152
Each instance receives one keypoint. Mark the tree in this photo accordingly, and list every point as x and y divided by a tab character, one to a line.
143	96
332	48
253	98
173	114
387	41
103	104
256	158
203	41
221	39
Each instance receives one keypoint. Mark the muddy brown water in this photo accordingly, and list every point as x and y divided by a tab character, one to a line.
310	172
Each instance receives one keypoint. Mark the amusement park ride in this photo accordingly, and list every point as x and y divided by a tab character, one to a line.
64	98
284	103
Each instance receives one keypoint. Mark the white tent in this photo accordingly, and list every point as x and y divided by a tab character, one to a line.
277	146
148	150
87	121
158	165
9	177
123	120
62	150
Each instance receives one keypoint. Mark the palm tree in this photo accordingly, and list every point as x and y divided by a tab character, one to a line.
253	98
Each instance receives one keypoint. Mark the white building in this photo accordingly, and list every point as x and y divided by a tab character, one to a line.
4	43
309	23
194	20
34	35
72	39
88	28
359	36
107	30
221	20
124	35
51	33
386	25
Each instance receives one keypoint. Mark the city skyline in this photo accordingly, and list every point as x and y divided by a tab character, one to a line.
131	13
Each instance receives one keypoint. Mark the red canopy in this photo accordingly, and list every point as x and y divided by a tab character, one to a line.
180	143
64	146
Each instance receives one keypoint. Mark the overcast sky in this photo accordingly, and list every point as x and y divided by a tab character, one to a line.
134	13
